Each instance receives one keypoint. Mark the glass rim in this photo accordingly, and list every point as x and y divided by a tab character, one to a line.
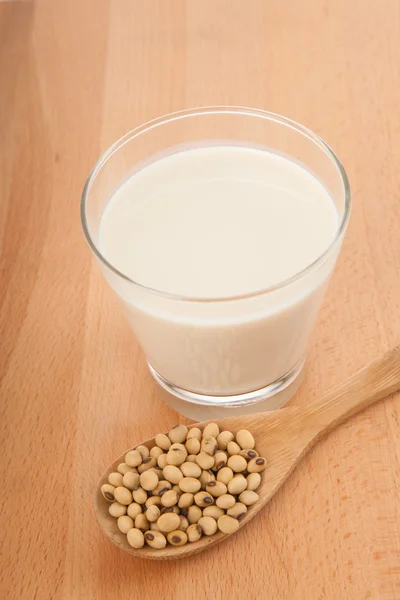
210	110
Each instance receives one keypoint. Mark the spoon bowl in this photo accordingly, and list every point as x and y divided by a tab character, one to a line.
282	437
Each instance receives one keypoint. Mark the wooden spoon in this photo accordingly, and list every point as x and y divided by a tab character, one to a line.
283	437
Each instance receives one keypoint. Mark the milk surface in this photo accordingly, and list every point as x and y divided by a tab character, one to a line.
220	222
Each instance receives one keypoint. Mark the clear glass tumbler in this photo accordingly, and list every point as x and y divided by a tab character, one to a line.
218	356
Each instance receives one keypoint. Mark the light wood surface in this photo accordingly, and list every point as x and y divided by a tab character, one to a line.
75	391
282	437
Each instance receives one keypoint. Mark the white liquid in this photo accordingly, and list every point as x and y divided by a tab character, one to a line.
216	222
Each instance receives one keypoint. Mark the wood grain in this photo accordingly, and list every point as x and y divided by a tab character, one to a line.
75	391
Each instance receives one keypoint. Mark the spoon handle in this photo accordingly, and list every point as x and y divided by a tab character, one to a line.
372	383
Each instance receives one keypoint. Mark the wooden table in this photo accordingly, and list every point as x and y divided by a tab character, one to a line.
75	390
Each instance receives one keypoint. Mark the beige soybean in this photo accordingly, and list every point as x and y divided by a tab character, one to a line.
245	439
117	510
192	446
140	495
163	441
256	465
238	511
169	498
162	461
162	487
237	463
226	501
224	438
248	454
212	430
176	457
133	458
124	468
149	481
172	474
177	489
178	446
152	513
253	481
225	475
154	527
122	495
205	460
125	523
216	488
213	511
186	500
248	497
208	525
155	452
131	481
177	538
220	460
189	484
178	434
194	532
168	522
147	464
191	458
190	469
144	451
194	513
206	477
153	501
203	499
142	523
209	445
228	524
134	510
135	538
233	448
155	539
184	523
108	492
195	433
115	479
237	485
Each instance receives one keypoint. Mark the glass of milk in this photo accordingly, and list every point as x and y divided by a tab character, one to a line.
218	228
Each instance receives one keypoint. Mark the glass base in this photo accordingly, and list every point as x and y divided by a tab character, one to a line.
201	407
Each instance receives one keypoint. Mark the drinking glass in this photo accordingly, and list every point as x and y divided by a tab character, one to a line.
220	355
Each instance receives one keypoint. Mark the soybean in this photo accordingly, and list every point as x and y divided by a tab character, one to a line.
256	465
108	492
135	538
228	524
178	434
163	441
245	439
125	523
194	533
155	539
134	510
133	458
115	479
205	460
253	481
123	495
117	510
248	497
208	525
168	522
177	538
